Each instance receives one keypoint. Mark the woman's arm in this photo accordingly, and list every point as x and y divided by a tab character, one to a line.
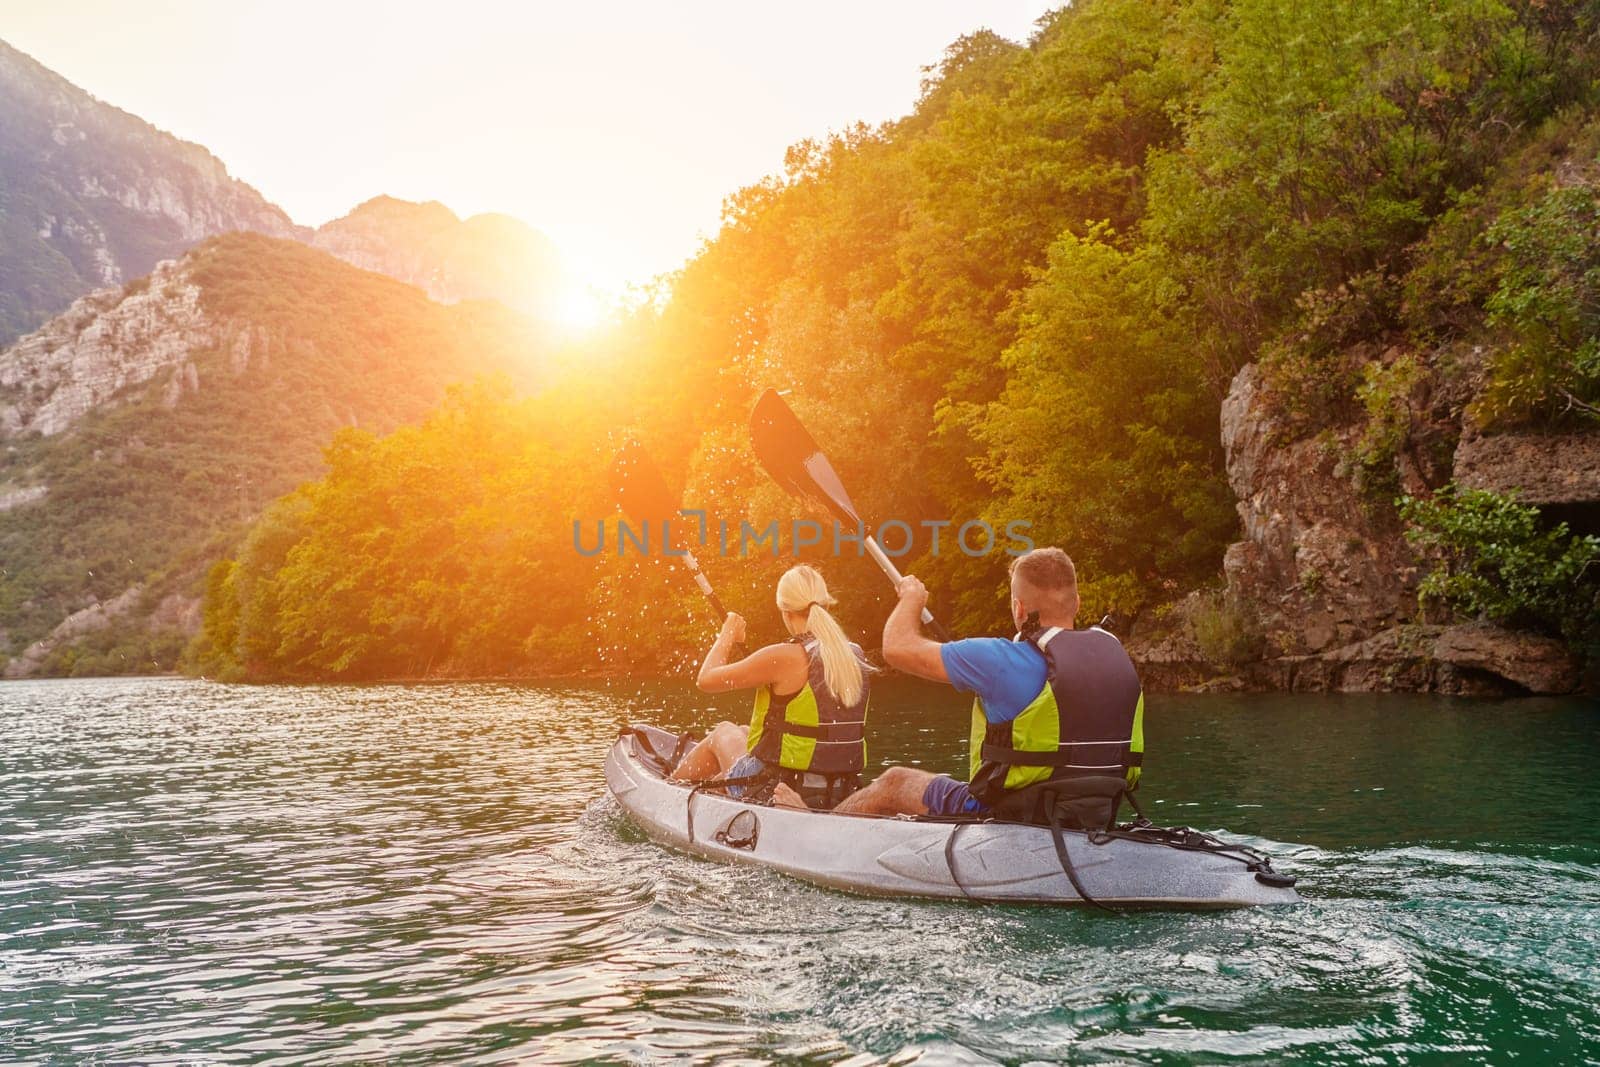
775	663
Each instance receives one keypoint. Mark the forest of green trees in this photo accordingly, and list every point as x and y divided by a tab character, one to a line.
1026	299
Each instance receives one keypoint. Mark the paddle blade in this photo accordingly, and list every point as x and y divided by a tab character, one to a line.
640	489
794	460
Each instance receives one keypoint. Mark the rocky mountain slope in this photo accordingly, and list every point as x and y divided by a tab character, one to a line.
485	257
143	427
91	196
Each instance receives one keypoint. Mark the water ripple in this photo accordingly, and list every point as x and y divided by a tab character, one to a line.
191	871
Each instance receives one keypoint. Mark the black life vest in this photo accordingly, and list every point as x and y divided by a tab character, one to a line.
812	731
1087	721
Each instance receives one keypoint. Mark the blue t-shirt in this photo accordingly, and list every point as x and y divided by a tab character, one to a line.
1005	675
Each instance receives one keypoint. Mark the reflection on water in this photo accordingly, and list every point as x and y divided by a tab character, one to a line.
347	874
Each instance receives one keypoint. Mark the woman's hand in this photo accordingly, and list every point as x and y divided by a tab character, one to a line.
732	629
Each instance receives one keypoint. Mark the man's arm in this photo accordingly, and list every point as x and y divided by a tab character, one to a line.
905	646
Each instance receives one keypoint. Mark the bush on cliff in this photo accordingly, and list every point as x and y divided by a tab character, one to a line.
1495	558
1548	301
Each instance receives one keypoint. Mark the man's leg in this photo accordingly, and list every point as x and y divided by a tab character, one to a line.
784	797
897	791
722	748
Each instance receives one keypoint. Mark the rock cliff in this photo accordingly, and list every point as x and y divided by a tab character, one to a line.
106	343
1315	562
1324	576
95	196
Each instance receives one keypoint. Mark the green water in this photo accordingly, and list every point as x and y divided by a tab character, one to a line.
199	873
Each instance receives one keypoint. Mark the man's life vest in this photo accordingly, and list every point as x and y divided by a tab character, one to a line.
811	730
1087	721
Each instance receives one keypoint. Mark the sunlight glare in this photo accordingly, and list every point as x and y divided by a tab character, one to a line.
576	309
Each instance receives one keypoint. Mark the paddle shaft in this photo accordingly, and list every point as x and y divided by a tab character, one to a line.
700	579
797	463
642	493
885	564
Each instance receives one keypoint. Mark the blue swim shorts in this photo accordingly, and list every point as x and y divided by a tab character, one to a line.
946	796
746	766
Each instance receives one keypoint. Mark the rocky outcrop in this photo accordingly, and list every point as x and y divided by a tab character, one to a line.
486	257
1530	662
1171	660
106	342
95	196
1474	659
1541	468
1471	659
1315	564
1326	580
113	340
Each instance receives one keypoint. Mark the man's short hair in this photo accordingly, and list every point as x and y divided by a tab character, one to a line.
1050	571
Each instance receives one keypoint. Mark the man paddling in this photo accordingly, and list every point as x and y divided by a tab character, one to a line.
1055	707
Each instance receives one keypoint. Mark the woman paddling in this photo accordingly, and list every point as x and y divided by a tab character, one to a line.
806	742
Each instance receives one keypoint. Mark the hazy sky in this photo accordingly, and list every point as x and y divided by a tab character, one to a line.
616	128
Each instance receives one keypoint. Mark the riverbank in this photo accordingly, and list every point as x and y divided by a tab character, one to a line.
1469	659
1474	661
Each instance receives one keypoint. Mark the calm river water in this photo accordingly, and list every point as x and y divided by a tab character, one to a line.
200	873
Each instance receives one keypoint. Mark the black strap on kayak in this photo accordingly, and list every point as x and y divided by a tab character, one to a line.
1185	839
679	750
765	774
1142	830
1058	835
950	857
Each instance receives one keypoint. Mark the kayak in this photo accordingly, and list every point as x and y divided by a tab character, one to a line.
1135	865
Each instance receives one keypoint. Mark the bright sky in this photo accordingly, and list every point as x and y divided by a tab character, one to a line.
616	128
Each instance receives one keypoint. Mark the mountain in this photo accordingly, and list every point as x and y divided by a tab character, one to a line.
141	429
91	196
485	257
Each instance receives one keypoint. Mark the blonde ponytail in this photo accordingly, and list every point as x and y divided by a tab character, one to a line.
841	670
801	591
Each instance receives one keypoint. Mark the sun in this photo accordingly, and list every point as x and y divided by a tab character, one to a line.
577	309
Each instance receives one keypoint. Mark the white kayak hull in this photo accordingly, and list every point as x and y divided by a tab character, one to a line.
988	861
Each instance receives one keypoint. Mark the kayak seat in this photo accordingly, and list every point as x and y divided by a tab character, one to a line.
1088	803
661	763
820	791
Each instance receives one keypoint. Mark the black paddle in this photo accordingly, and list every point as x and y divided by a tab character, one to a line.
796	462
643	496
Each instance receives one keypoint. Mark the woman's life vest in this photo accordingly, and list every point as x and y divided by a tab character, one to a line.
811	730
1087	721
